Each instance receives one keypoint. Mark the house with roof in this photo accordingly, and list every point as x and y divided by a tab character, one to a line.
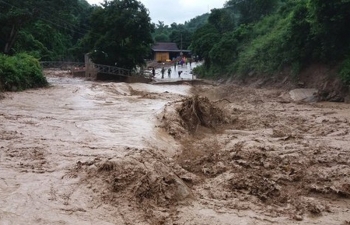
167	51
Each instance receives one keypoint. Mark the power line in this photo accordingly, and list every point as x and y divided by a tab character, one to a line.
57	25
73	25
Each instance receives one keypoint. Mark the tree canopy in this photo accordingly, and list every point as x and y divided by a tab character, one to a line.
121	29
45	29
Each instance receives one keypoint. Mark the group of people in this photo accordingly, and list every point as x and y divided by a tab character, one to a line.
183	61
178	61
169	72
163	72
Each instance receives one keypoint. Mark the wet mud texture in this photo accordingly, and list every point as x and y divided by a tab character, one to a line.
279	158
112	153
191	115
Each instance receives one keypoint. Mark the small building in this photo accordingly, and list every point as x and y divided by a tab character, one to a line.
167	51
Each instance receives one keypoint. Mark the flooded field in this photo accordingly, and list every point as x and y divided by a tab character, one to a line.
83	152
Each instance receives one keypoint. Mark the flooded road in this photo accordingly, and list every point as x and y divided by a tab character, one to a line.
81	152
185	72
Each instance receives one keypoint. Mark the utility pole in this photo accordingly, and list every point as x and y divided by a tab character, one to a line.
181	45
181	41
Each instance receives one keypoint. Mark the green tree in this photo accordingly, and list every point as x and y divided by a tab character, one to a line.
161	38
17	15
222	20
161	27
161	32
299	36
197	22
122	30
330	28
225	51
251	10
182	37
203	41
44	41
12	19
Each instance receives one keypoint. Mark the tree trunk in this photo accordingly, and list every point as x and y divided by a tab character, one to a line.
11	39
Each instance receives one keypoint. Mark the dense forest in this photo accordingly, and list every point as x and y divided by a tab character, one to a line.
244	37
266	36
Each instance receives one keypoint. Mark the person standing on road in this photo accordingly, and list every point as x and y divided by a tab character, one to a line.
169	72
153	72
163	71
181	62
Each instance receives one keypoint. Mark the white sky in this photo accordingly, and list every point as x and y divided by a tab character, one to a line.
177	11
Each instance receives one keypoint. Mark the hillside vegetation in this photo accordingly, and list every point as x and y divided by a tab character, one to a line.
263	37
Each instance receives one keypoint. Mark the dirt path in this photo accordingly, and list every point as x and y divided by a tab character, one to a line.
113	153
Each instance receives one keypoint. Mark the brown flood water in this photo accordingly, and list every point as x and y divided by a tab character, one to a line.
84	152
46	131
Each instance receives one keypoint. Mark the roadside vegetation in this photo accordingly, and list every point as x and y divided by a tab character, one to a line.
20	72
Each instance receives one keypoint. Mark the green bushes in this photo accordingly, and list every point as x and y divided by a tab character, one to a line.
20	72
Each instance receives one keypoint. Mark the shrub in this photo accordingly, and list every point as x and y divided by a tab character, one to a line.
20	72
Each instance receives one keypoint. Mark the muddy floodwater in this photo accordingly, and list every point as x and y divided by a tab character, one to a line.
82	152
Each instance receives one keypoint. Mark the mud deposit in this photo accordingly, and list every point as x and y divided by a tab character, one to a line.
83	152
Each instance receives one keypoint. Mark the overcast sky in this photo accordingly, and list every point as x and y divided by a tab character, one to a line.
177	11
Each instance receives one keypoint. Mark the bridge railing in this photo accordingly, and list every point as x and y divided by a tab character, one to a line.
112	70
97	68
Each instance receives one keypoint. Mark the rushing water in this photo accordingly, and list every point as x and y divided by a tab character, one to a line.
44	132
